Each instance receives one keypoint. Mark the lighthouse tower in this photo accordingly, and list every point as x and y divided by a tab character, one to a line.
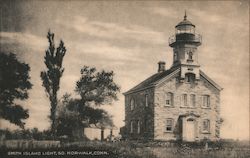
184	44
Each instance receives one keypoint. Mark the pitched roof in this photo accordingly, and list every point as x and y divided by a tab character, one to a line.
158	77
210	81
151	81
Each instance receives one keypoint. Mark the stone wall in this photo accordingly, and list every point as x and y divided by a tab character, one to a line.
177	87
140	112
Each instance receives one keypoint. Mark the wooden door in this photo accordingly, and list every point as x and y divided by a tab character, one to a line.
190	130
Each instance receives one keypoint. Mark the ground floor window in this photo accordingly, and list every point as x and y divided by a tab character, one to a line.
131	127
138	127
146	125
206	125
169	124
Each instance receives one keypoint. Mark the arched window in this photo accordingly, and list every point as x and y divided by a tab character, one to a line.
169	99
132	104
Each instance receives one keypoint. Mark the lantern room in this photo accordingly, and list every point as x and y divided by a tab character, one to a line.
185	33
185	26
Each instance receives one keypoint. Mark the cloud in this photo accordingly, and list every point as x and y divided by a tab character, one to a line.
106	51
165	12
22	38
114	31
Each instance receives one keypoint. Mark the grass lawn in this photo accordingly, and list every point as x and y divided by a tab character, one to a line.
133	149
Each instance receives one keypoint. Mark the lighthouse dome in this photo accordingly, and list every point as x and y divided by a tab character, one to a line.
184	22
185	26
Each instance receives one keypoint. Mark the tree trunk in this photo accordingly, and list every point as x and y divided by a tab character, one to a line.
53	116
102	134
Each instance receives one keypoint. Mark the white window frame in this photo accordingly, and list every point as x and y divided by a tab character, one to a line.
169	99
206	101
171	125
206	126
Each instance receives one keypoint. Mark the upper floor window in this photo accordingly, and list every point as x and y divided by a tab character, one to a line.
175	56
190	77
206	101
206	125
132	104
190	55
169	124
146	100
184	100
192	100
169	99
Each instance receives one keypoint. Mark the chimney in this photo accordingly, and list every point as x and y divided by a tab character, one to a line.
161	66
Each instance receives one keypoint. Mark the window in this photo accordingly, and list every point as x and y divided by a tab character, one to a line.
184	100
146	100
146	124
131	127
206	101
138	127
169	125
190	55
132	104
192	100
175	56
206	125
190	77
169	99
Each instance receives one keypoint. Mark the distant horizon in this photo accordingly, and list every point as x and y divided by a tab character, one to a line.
129	38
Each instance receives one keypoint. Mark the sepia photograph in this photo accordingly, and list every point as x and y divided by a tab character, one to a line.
124	79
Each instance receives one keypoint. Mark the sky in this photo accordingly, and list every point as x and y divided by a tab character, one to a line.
130	37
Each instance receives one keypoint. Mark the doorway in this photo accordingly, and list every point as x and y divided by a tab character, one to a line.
189	131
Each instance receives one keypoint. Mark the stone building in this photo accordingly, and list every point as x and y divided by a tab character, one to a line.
181	103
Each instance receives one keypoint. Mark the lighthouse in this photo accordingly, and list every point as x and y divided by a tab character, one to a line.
179	103
185	44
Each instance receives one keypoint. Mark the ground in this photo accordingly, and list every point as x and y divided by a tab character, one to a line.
135	149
